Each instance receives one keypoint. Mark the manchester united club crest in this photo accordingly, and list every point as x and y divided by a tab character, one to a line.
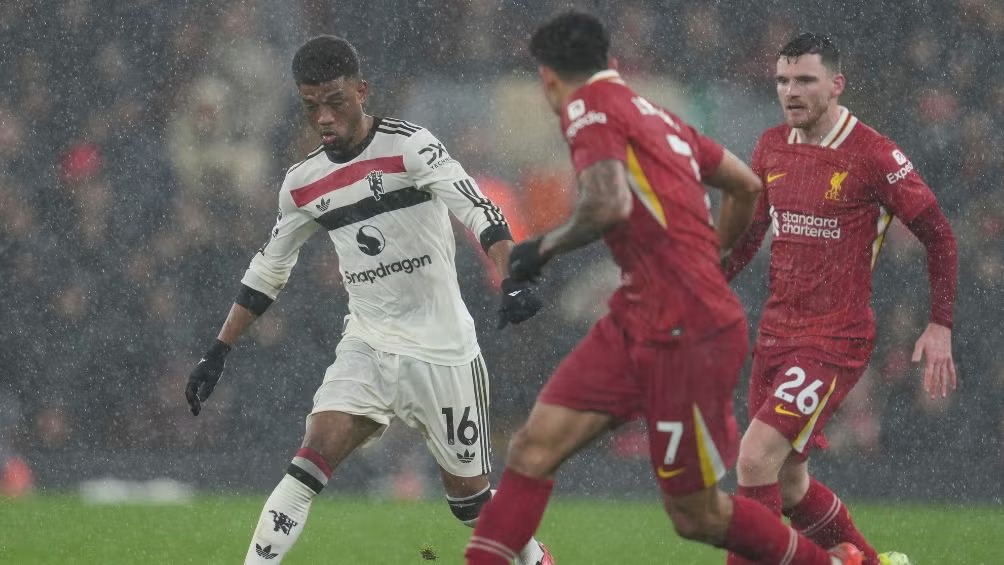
375	179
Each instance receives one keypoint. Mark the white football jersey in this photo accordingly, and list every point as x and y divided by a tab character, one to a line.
387	212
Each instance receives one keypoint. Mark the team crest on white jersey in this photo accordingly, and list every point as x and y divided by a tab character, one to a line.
375	179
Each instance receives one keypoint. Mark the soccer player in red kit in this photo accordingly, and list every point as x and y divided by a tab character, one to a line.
832	185
675	339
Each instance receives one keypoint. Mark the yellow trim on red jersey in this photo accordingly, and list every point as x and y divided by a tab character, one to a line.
884	221
803	436
643	189
712	466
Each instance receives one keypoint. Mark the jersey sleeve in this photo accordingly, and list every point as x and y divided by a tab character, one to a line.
707	152
756	160
746	248
897	184
595	132
432	168
270	267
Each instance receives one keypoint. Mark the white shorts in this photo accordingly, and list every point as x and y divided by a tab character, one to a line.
448	405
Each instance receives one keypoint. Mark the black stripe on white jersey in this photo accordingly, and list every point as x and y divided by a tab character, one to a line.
369	207
394	122
311	155
393	131
491	211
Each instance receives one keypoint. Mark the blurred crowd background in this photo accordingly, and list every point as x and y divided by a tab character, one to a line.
142	144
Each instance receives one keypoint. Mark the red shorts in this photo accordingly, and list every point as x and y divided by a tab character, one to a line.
683	389
796	390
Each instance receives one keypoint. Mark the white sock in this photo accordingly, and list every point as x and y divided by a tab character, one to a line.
281	522
531	554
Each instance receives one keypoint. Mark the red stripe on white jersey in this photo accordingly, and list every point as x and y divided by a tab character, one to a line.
346	176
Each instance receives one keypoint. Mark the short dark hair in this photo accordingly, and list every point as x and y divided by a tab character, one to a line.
813	44
325	58
573	43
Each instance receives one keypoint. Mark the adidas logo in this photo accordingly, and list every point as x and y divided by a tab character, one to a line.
264	552
323	204
466	457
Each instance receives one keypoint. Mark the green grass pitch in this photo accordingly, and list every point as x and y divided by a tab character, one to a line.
61	529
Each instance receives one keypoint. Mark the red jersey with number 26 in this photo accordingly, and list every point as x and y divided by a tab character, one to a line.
829	206
668	249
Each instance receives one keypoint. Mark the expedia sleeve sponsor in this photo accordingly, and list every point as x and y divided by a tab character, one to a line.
406	266
900	174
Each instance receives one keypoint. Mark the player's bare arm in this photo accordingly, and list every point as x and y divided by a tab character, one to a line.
499	254
604	201
741	187
208	371
743	251
934	346
239	319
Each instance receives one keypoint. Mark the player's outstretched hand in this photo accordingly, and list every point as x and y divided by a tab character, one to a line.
519	303
935	347
205	375
525	261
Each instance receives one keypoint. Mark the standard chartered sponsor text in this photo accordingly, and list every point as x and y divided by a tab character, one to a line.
809	225
405	266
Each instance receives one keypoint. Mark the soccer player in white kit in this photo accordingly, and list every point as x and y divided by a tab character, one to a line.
383	189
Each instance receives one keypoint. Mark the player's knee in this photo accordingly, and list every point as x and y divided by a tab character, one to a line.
694	525
748	465
794	484
530	457
469	508
758	464
699	518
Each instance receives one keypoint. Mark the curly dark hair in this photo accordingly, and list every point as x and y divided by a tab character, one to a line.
813	44
573	43
325	58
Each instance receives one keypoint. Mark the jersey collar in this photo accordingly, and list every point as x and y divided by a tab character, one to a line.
609	74
842	129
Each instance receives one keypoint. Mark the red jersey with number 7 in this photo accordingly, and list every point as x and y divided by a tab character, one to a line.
667	250
828	207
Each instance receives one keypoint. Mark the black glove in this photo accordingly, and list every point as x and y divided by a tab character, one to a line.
525	261
205	375
519	303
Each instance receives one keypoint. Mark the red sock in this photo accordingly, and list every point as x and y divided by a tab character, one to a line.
509	519
761	537
767	495
824	519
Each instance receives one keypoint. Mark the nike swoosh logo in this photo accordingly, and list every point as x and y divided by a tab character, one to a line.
668	474
780	409
515	292
774	176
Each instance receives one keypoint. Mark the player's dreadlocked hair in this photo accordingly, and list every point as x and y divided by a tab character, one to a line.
813	44
325	58
573	43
